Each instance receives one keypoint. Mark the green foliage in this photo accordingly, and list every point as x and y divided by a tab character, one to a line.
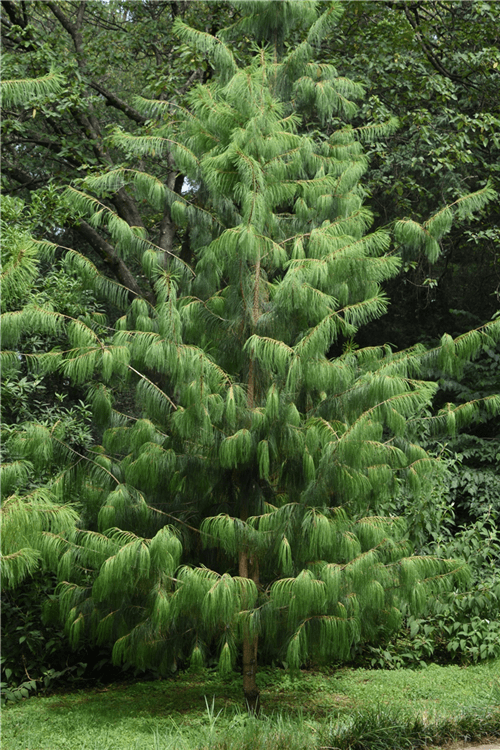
414	237
19	254
459	626
250	445
35	652
24	520
29	90
431	68
38	430
287	327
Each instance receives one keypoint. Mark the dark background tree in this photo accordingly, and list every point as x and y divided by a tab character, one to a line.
435	65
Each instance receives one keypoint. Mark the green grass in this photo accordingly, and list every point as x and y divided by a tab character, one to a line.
344	709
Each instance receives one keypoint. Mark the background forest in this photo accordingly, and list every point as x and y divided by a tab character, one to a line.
250	330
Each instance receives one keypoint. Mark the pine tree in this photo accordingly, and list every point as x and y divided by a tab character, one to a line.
237	513
27	511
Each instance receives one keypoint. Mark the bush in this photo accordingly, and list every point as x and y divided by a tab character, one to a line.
35	651
463	626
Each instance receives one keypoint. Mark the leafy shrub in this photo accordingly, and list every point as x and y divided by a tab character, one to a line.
474	484
463	626
35	654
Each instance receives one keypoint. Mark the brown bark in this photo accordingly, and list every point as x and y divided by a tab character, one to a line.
73	29
248	561
108	252
126	208
166	234
249	568
114	101
250	689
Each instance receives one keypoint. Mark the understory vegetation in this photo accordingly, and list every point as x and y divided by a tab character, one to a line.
250	370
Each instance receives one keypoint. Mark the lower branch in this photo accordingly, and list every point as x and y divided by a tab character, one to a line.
108	252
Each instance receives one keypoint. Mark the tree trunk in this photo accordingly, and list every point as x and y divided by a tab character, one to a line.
248	563
250	689
249	568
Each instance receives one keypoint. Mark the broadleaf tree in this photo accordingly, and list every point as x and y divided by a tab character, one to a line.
233	511
434	65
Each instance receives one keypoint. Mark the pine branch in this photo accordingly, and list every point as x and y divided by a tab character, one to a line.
21	91
153	386
87	459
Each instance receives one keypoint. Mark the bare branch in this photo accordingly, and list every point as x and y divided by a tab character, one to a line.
114	101
108	252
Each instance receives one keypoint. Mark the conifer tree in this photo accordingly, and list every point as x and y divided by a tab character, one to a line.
236	513
27	511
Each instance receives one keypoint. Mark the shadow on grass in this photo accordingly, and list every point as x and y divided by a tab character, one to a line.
186	697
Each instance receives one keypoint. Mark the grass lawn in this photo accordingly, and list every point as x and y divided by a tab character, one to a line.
345	709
